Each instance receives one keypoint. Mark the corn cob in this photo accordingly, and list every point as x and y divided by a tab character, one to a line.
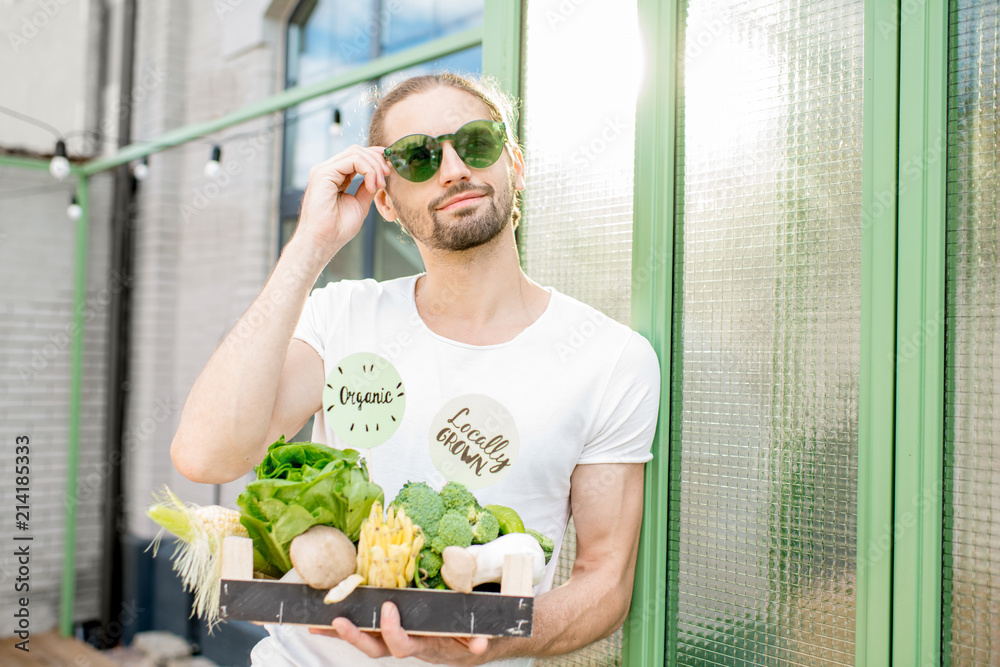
197	557
388	548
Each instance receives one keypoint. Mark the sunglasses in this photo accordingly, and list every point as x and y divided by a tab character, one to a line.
417	157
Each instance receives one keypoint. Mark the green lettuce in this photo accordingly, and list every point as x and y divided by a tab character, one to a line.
300	485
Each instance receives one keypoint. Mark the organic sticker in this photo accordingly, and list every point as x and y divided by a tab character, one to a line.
364	400
473	440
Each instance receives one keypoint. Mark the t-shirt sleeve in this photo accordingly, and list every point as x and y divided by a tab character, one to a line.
320	315
626	419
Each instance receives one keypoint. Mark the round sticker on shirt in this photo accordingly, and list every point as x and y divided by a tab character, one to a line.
474	441
364	400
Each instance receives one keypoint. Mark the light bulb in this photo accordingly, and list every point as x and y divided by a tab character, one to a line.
336	129
141	169
213	166
59	166
73	211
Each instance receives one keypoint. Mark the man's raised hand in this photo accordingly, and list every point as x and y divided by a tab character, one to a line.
330	217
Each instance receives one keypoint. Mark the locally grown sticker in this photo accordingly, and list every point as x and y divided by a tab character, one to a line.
473	440
364	400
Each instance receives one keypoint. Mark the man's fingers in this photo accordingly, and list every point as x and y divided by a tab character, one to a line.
341	168
370	645
478	645
365	196
395	637
326	632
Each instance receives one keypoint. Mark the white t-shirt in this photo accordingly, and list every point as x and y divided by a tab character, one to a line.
510	420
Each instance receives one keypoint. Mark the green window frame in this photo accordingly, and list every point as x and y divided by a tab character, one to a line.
903	255
901	409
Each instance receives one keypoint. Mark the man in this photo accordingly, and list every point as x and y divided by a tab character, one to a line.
534	400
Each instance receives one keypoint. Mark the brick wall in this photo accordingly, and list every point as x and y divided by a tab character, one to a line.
37	262
203	246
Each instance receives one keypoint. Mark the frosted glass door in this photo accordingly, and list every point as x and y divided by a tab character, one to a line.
766	342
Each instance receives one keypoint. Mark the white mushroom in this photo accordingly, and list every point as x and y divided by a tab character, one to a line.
323	556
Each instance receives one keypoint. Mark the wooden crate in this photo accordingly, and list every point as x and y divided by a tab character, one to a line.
422	612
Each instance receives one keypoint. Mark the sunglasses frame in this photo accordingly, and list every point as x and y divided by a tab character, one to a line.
499	128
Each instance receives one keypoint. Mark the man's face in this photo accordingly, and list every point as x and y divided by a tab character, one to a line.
459	207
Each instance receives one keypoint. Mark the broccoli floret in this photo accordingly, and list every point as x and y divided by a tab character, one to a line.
545	542
452	530
486	529
430	563
457	497
422	504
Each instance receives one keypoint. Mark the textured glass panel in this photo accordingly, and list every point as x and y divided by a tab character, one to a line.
762	542
578	136
579	132
971	566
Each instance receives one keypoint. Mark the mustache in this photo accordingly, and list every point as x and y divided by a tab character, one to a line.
457	189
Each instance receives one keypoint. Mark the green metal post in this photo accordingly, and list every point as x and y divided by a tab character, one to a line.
502	43
920	315
878	338
652	295
68	590
293	96
18	162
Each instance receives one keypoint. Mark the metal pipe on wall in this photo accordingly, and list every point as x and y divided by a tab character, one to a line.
118	341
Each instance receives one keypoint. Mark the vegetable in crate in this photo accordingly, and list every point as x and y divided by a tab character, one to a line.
323	556
453	518
466	568
485	526
388	548
300	485
197	558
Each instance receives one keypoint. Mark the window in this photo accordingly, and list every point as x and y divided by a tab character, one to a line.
330	37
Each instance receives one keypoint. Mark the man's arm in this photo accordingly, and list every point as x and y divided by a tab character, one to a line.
607	510
259	383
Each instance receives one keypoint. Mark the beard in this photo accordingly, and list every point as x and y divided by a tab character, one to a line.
469	228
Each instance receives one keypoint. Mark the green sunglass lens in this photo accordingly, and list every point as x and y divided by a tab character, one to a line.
418	156
414	159
479	143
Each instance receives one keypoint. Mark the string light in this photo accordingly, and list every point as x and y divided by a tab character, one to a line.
73	211
214	166
59	166
336	129
140	170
